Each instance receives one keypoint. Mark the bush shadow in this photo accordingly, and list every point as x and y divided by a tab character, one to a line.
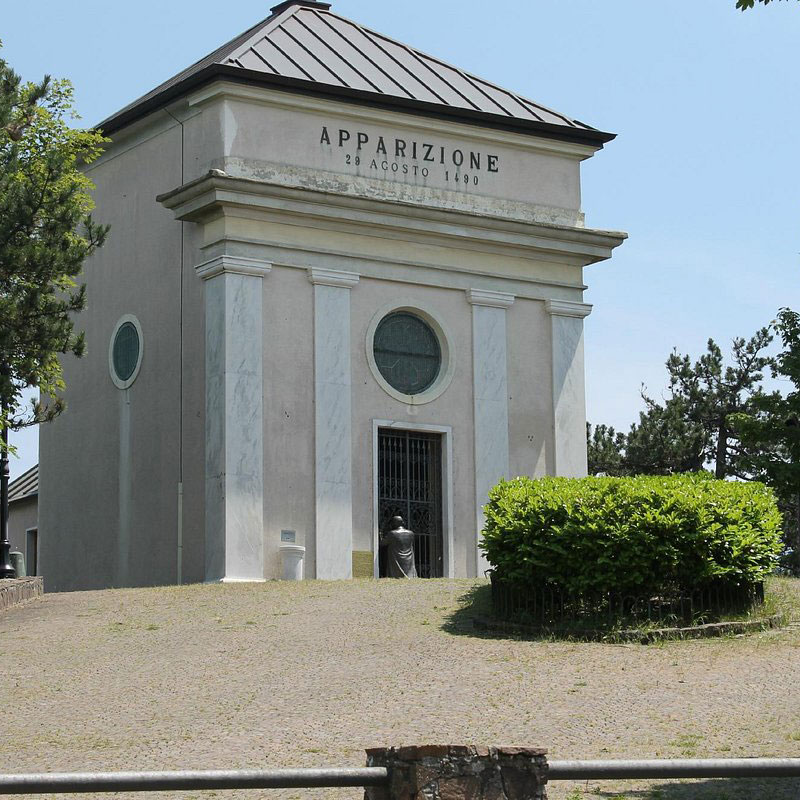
711	789
476	605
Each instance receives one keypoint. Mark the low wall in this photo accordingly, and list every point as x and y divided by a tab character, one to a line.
18	590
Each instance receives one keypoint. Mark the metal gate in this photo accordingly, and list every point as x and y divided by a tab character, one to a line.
410	486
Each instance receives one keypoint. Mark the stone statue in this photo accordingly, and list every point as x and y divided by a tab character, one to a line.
399	543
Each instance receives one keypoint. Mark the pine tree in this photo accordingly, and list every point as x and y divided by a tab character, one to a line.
605	450
46	233
693	425
771	432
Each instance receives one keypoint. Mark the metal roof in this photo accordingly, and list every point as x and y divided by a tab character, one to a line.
27	485
303	46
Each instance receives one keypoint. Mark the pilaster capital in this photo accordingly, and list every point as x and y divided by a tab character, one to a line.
483	297
235	264
333	277
567	308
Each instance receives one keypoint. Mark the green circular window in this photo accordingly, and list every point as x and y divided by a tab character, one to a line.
125	353
407	352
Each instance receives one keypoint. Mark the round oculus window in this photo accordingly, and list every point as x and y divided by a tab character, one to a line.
407	352
125	351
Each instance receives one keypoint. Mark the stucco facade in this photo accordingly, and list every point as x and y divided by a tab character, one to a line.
258	238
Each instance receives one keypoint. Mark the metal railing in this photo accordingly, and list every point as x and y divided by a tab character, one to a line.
74	782
549	606
675	768
85	782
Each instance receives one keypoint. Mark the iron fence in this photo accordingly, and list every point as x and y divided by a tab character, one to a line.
548	606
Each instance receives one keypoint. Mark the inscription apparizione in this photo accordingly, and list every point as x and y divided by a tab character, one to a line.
389	156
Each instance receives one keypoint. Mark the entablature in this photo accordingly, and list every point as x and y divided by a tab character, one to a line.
219	196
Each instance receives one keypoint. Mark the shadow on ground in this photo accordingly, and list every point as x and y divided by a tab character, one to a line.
475	602
716	789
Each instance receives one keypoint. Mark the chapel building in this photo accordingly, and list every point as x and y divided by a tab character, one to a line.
344	281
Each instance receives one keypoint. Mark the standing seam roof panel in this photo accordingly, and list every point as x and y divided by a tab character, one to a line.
299	53
330	54
347	73
252	59
26	485
405	80
421	72
511	102
362	63
480	97
275	56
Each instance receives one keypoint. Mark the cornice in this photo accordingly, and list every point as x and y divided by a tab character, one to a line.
567	308
216	193
237	265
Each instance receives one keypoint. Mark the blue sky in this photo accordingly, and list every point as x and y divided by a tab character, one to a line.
703	175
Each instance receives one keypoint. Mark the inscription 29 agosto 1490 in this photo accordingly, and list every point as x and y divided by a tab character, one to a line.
392	157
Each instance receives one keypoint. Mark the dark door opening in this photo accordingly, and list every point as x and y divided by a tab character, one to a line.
410	485
32	551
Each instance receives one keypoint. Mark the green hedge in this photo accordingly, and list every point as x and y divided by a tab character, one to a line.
634	535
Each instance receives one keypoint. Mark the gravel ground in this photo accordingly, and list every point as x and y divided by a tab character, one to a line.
309	674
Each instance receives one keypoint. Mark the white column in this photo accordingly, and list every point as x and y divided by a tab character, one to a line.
569	392
333	423
490	396
234	494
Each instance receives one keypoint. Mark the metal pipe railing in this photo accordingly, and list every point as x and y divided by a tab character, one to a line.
181	780
72	782
676	768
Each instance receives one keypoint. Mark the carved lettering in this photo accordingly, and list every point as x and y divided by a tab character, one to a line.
473	161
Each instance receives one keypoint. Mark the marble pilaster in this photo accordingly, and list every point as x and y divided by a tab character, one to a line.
333	423
234	468
490	397
569	392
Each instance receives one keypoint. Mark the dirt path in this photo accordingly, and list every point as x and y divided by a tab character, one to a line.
309	674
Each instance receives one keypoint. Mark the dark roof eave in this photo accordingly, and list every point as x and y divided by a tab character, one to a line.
26	496
587	136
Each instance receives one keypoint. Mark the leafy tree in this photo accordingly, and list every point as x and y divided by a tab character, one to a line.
46	233
771	430
743	5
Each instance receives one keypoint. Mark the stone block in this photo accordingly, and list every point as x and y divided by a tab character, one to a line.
460	772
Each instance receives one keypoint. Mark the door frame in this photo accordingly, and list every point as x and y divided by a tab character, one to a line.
446	431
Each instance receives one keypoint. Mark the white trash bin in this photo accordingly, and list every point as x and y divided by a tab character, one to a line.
292	556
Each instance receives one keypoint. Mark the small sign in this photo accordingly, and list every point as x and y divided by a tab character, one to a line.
288	536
